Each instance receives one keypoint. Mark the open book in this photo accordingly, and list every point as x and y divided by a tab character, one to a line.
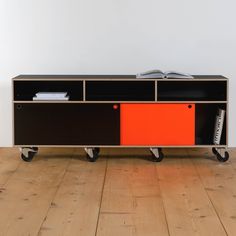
158	74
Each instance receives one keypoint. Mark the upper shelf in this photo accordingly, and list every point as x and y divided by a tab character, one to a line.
122	88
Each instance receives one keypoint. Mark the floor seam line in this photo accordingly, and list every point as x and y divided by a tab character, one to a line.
101	199
55	193
208	196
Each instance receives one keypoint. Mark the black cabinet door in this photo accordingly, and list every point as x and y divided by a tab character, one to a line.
66	124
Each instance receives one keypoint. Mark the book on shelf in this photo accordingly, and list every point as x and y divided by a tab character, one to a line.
52	96
219	122
50	99
158	74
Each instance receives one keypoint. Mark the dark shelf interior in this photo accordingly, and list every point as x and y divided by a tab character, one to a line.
120	90
205	123
26	90
191	91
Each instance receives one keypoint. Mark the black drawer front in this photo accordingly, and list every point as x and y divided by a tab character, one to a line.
66	124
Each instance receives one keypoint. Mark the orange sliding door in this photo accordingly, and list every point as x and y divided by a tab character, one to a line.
157	124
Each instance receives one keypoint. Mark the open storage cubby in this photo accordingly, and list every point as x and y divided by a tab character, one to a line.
205	117
26	90
191	91
120	90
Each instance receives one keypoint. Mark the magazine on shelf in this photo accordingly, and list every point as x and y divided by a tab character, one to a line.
52	96
50	99
219	122
158	74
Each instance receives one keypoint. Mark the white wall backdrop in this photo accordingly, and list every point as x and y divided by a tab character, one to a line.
115	37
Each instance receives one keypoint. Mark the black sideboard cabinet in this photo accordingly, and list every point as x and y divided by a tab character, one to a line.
119	111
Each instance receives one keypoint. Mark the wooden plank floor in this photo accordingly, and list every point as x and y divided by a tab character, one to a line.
60	193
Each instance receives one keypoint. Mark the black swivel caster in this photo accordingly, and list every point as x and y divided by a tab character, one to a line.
97	150
92	154
157	154
214	151
219	156
27	154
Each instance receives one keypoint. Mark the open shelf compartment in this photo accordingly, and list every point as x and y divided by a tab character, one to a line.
120	90
205	118
26	90
191	91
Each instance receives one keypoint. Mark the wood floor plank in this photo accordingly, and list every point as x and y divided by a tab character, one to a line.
76	205
131	203
219	181
29	193
9	162
189	193
188	208
232	157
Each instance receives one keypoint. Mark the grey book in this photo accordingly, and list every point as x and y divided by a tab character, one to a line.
158	74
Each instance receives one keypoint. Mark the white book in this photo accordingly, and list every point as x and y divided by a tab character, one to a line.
51	94
219	122
51	98
158	74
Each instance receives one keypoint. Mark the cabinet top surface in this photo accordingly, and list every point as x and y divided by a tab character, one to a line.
110	77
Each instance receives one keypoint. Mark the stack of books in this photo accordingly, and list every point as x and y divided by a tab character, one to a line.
51	96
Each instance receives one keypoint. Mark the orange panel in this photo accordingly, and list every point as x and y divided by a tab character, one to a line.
157	124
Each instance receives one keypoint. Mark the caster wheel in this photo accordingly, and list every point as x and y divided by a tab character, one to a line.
222	158
35	149
157	155
92	154
214	151
97	150
28	158
27	154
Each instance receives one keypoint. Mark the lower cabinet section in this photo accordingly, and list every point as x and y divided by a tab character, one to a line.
157	124
66	124
104	124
